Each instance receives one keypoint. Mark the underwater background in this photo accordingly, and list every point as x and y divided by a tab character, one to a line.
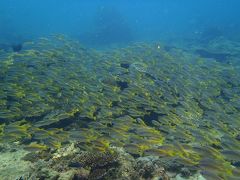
120	90
101	22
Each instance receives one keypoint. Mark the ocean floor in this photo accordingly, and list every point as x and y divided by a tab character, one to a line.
69	163
145	111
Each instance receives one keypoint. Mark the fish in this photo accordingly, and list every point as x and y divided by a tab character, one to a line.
35	147
211	175
231	155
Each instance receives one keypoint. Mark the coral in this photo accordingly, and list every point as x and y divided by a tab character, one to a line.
35	156
65	151
11	164
45	173
147	168
100	164
185	172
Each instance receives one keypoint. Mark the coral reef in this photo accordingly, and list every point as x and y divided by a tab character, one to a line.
12	166
116	164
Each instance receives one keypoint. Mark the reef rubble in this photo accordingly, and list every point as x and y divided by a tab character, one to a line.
71	163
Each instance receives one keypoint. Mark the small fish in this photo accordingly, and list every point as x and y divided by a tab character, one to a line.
211	175
213	165
231	155
52	143
133	149
156	123
158	152
36	147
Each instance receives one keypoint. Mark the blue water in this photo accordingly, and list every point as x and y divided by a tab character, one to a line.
139	20
117	89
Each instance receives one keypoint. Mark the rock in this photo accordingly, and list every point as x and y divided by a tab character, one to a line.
12	165
148	169
185	172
